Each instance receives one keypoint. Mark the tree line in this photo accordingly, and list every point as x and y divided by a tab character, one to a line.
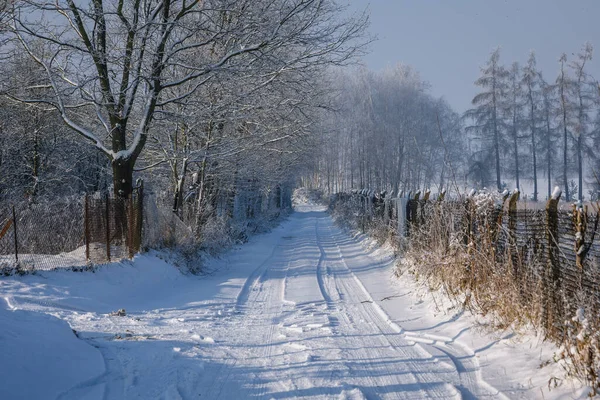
529	126
391	134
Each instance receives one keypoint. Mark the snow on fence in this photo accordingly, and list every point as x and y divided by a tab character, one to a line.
73	232
552	253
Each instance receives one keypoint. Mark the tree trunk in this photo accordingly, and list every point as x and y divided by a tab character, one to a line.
580	166
516	150
122	177
496	138
563	102
533	148
565	157
497	154
178	196
36	162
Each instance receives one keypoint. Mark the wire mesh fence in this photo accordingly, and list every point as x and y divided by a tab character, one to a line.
548	258
72	232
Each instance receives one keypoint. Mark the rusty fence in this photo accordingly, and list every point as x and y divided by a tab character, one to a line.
70	233
550	251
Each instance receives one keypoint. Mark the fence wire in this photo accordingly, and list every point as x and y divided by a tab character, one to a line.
73	232
549	254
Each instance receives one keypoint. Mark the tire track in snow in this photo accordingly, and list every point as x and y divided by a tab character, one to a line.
366	316
355	322
255	277
259	304
471	384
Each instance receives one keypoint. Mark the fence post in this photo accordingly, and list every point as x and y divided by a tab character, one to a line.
427	194
401	206
130	227
551	291
414	209
468	220
512	232
86	228
107	216
423	203
14	215
386	211
441	196
580	222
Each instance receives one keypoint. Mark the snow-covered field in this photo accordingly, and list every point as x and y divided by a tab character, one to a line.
305	311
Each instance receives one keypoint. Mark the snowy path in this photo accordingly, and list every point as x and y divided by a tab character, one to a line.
286	316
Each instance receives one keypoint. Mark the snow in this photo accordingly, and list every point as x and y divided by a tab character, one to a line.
305	311
41	356
556	193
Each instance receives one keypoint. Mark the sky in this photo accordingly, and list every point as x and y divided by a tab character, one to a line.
448	41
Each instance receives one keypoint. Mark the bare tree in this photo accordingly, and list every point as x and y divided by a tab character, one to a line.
126	61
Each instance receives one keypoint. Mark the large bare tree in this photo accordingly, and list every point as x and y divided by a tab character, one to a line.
112	66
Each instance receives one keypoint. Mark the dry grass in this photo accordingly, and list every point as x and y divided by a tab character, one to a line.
470	252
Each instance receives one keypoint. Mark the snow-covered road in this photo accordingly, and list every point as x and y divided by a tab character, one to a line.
304	325
302	312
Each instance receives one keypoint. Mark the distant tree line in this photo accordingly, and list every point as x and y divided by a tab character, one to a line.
388	133
391	134
529	127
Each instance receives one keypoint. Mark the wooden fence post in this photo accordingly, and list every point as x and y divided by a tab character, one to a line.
386	211
107	216
14	215
86	226
443	222
401	215
427	194
422	204
414	209
580	222
468	220
551	290
512	232
441	196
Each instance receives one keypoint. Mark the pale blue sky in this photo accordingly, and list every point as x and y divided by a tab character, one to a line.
448	40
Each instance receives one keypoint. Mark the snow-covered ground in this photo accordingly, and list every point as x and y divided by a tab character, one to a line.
305	311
